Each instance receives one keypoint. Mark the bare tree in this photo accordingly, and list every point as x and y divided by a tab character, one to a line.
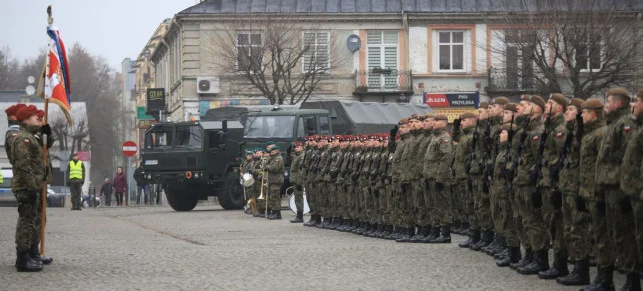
276	57
573	46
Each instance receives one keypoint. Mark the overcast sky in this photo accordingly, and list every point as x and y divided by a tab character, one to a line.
114	29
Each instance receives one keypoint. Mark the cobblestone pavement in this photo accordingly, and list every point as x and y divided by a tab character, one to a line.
155	248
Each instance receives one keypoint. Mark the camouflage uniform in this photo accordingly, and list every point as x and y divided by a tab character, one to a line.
275	170
374	199
620	217
407	172
429	197
482	206
439	153
321	196
496	207
418	205
365	185
296	178
345	183
247	167
506	225
256	174
330	177
11	133
631	180
399	199
461	157
516	206
355	189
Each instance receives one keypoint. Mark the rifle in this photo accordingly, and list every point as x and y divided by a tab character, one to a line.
326	168
508	151
379	162
537	174
388	157
485	158
472	156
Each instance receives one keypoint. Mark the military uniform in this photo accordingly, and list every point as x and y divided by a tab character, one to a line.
482	208
312	155
404	201
428	222
330	173
439	153
275	170
296	178
461	159
398	200
495	207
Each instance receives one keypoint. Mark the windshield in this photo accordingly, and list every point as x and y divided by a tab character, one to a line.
188	137
269	126
159	138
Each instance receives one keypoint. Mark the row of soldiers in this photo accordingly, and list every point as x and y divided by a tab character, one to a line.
24	146
267	169
562	174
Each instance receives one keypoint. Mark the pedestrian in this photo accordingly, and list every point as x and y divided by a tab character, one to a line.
141	185
106	192
76	172
28	180
120	186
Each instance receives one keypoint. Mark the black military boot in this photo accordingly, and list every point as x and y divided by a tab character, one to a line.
326	223
34	252
632	282
407	233
368	229
435	233
345	223
493	245
465	228
394	233
260	213
423	232
276	215
333	223
579	276
386	231
512	258
540	263
487	237
445	236
474	238
361	227
455	226
299	218
558	268
526	260
501	246
25	263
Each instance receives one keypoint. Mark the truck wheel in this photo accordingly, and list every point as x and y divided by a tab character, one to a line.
231	195
180	200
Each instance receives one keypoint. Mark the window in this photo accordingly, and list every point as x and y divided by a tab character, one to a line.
324	125
269	127
189	137
382	53
159	138
588	55
317	54
451	51
306	126
249	52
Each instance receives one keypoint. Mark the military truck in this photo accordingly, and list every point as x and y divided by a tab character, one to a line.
195	160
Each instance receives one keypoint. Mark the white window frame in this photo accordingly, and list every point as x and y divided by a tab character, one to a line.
314	50
587	68
466	51
385	82
383	47
250	45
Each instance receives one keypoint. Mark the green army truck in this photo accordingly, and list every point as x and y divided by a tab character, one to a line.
196	160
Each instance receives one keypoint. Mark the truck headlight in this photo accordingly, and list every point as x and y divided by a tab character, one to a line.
285	173
149	176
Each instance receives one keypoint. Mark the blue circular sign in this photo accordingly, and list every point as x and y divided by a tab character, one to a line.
354	43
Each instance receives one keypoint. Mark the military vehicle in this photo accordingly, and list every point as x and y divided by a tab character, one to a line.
195	160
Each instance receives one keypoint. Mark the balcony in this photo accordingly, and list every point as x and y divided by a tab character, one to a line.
383	82
512	81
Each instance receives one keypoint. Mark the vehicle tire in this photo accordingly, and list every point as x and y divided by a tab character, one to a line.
231	195
180	200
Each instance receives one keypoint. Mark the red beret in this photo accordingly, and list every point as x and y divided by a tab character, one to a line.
26	112
40	113
14	109
298	144
337	137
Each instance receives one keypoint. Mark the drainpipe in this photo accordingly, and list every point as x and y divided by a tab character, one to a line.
405	24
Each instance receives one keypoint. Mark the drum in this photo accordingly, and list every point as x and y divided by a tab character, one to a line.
291	202
247	179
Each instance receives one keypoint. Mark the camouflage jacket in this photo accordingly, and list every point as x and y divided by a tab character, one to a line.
409	159
28	168
296	168
438	153
275	169
424	152
620	129
399	153
11	133
569	174
529	152
498	182
358	159
493	143
556	135
480	148
344	176
365	170
332	168
593	135
451	158
322	163
462	153
632	164
380	173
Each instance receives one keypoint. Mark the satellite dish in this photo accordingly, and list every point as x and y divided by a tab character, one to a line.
31	79
30	90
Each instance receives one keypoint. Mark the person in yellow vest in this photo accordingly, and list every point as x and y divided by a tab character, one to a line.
76	172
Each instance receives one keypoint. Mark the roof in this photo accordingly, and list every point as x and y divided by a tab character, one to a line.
288	112
353	117
379	6
239	112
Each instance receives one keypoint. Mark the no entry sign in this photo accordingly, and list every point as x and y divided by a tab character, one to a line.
129	148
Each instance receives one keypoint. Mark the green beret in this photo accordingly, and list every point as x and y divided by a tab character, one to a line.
618	91
538	101
593	103
560	99
576	102
249	152
511	107
467	115
274	148
501	101
484	105
441	117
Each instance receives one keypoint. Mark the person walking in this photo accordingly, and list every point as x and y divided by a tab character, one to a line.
76	170
106	192
141	186
120	186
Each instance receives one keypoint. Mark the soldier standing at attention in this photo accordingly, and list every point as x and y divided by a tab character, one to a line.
312	154
631	181
28	179
296	168
439	153
329	172
407	211
427	228
461	158
480	195
275	171
246	165
256	174
552	197
506	227
76	170
618	205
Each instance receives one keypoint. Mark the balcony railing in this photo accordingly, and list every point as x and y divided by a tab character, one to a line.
511	81
379	81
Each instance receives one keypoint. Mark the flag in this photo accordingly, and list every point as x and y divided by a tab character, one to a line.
57	85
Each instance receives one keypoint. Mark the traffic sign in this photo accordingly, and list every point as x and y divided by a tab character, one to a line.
130	148
83	156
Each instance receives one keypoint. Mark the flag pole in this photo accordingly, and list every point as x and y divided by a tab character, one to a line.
43	196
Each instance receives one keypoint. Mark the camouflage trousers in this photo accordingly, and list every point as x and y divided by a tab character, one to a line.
28	226
403	205
554	220
532	219
351	209
467	205
342	202
364	200
638	214
576	222
298	191
382	204
388	217
456	204
517	209
310	198
496	205
430	204
419	208
330	199
621	227
441	210
602	243
374	205
482	207
274	199
507	225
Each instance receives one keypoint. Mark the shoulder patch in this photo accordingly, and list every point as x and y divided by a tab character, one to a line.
559	134
536	138
627	128
27	140
446	140
14	134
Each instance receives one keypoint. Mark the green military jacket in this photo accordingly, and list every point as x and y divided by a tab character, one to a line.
399	153
417	151
620	129
593	135
365	170
380	172
568	183
424	152
296	168
347	161
529	152
478	161
462	153
335	162
496	128
275	169
521	122
556	135
12	132
451	180
498	185
437	154
632	163
28	168
409	159
324	158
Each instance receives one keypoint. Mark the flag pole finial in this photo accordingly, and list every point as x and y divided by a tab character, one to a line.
50	19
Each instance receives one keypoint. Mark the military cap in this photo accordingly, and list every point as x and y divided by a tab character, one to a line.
507	126
298	144
618	91
403	121
484	105
40	113
429	115
363	137
576	102
374	136
537	100
12	110
337	136
511	107
270	143
501	100
467	115
385	136
560	99
441	117
26	112
249	152
274	148
593	103
258	150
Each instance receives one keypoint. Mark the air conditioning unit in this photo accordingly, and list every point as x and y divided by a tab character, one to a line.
207	85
